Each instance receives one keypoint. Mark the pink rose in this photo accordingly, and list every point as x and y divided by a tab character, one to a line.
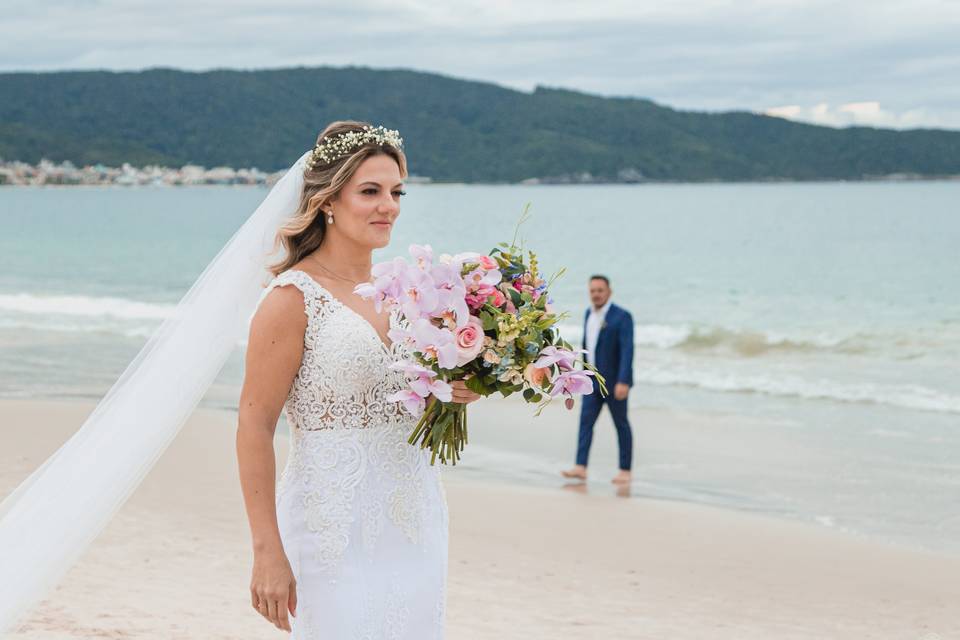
488	263
536	376
497	298
469	341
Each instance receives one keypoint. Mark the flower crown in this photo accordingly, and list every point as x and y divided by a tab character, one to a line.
335	147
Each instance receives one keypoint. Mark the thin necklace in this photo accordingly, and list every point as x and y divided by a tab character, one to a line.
337	275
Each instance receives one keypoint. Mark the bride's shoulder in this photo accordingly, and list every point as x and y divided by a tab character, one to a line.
283	294
279	316
288	291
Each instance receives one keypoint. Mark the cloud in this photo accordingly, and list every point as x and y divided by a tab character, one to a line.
692	54
866	114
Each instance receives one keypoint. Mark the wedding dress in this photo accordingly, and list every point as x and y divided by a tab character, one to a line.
362	513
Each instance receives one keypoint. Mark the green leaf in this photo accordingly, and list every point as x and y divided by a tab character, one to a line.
475	384
488	321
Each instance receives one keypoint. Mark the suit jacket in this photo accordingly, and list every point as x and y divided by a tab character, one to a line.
613	356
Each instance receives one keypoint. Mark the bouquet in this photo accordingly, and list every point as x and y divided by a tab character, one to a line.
483	319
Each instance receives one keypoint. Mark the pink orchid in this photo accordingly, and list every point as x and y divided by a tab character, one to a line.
419	298
435	343
420	379
425	386
422	255
446	276
413	369
571	382
453	301
396	267
398	335
554	355
480	277
412	402
385	288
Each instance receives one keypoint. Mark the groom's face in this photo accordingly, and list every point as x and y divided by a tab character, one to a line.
599	292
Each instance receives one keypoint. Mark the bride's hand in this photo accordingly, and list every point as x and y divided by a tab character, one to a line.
273	589
461	394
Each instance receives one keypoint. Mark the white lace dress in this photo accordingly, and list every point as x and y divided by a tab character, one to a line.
362	513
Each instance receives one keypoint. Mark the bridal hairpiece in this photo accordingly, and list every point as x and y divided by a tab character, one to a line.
335	147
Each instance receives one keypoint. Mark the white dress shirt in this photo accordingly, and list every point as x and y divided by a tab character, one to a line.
594	322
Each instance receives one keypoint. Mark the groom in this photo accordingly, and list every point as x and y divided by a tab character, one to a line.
608	339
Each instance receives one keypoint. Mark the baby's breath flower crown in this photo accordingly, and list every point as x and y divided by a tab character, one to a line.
338	146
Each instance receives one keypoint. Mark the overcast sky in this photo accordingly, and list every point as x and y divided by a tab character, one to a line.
887	63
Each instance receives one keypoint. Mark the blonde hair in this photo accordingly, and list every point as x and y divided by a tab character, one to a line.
302	234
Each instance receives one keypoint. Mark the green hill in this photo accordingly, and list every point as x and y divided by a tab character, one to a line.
454	130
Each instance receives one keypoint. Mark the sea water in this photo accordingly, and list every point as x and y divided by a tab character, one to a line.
807	334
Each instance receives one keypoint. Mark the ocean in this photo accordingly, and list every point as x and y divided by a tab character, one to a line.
806	336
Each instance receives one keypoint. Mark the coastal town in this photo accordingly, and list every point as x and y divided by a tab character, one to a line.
15	173
47	173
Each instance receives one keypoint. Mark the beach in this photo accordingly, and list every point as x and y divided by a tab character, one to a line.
525	562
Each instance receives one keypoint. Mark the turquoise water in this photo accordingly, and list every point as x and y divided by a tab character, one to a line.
827	314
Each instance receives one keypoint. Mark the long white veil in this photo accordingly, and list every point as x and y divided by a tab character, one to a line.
57	512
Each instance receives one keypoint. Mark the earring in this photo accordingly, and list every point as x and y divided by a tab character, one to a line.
329	217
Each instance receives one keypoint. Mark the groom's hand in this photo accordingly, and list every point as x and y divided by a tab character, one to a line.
620	390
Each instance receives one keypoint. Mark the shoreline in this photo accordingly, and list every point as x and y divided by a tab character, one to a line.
508	414
271	178
525	562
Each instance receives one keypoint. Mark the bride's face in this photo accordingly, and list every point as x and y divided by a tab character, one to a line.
368	205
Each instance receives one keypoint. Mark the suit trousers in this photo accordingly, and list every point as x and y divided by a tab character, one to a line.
590	407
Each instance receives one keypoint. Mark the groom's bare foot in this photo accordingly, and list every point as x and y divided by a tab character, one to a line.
579	472
623	477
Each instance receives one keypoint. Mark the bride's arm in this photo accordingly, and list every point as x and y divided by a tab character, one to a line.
274	352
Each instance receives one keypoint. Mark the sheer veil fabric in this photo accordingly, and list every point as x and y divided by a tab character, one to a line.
47	521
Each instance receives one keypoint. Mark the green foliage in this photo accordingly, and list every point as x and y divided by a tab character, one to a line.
455	130
487	318
476	384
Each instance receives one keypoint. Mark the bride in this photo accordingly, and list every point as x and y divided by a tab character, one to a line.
352	540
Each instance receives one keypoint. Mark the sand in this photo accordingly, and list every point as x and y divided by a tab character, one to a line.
524	563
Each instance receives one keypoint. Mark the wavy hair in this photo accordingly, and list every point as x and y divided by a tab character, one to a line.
303	233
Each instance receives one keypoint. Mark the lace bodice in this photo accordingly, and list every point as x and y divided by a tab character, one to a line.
343	380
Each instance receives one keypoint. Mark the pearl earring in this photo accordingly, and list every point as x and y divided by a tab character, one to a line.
329	217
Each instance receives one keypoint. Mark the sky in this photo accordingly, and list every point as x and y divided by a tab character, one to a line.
885	63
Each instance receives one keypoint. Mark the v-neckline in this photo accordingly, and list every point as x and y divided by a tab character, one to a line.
376	334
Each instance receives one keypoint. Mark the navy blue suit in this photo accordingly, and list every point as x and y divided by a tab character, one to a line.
613	357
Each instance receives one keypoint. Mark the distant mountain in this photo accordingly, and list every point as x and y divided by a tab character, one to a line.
454	130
